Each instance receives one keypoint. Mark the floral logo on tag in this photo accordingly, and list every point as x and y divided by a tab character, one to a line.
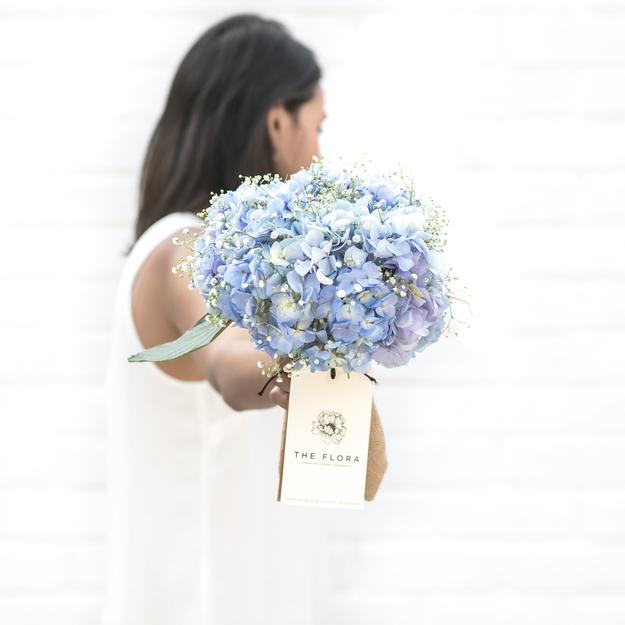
330	425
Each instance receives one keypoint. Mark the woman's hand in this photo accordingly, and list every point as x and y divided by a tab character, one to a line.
279	393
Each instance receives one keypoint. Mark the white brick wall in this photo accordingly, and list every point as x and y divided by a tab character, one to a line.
504	502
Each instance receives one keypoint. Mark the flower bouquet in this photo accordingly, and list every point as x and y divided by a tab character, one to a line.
330	271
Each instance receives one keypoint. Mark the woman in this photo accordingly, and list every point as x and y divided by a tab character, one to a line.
196	536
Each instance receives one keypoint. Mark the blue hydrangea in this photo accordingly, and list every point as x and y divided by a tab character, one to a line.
334	267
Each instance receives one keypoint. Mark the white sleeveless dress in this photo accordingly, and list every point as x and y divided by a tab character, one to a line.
195	535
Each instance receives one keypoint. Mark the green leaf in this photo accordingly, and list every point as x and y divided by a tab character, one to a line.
202	333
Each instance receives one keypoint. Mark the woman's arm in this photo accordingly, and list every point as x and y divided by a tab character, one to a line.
229	363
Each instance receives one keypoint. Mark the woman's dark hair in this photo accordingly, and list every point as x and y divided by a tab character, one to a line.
212	128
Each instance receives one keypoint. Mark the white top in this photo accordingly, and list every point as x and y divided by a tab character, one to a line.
196	536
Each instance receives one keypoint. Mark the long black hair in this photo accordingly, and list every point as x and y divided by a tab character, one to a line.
212	128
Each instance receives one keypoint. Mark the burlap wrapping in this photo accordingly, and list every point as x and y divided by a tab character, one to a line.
377	461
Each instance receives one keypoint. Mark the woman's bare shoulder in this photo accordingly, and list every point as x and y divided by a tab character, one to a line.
183	306
163	305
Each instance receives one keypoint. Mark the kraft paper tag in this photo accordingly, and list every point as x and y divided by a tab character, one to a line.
327	440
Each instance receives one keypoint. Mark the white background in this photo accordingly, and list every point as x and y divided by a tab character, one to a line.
504	501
